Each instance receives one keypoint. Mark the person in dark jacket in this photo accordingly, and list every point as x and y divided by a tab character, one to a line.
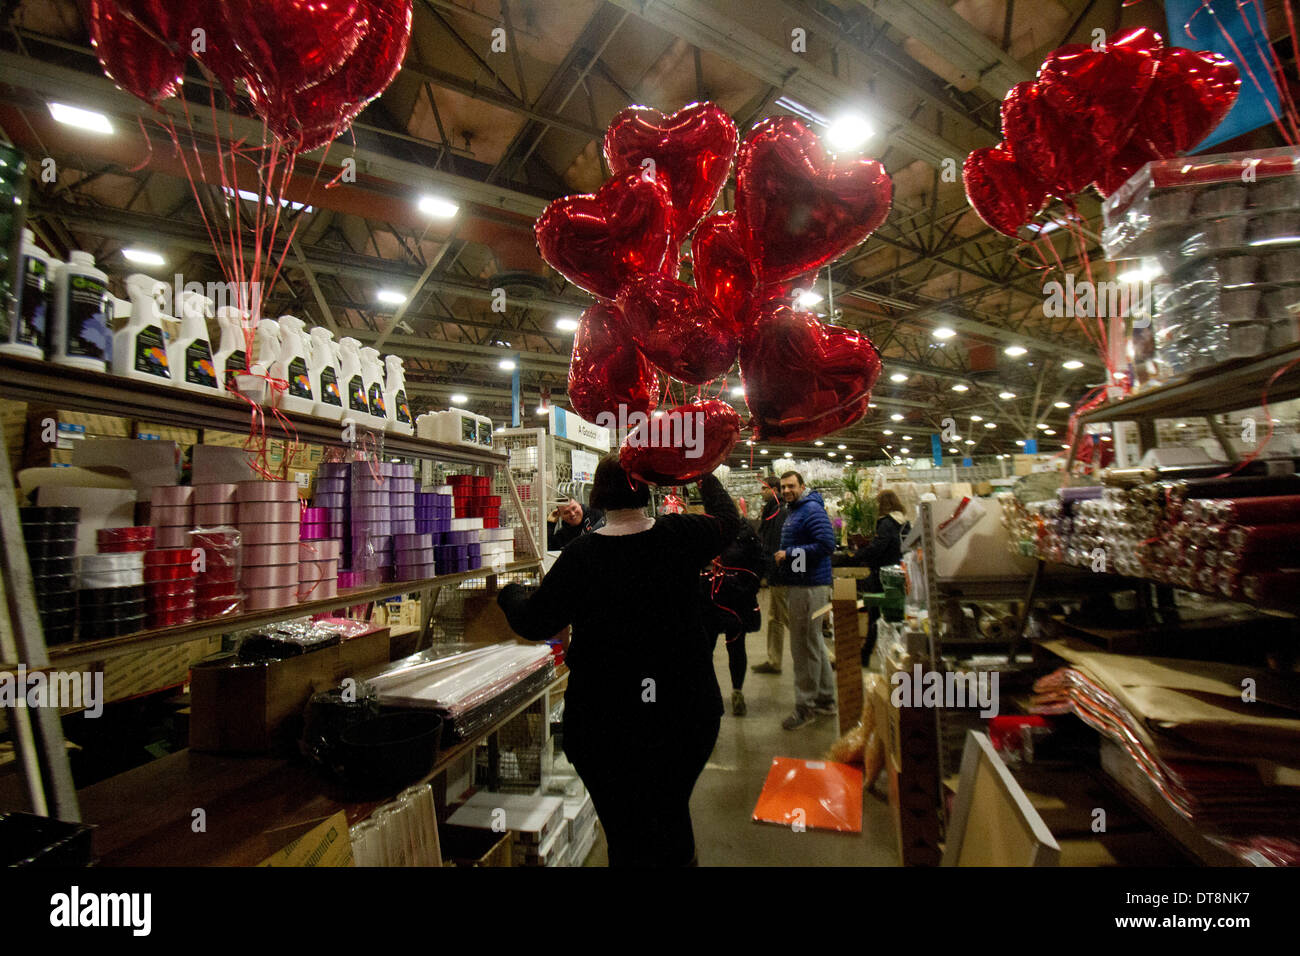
807	542
569	521
770	521
730	593
883	550
642	709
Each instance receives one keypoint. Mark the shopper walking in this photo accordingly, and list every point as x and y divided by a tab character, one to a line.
771	520
883	550
807	542
642	709
730	594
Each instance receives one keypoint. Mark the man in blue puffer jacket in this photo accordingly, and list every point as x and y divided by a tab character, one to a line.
807	542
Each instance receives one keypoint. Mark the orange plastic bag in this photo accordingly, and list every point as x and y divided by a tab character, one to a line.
811	794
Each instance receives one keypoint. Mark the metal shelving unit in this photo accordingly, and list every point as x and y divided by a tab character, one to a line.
39	741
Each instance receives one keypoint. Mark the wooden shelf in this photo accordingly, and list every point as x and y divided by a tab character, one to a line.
67	656
74	389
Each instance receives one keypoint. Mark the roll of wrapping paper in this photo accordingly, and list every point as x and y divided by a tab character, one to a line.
1273	587
1278	537
1254	562
1251	486
1275	509
1128	477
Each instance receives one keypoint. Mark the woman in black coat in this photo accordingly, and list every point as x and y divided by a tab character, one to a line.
730	591
642	709
883	550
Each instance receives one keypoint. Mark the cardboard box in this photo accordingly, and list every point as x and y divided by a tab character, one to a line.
147	671
257	708
220	464
149	464
327	844
531	819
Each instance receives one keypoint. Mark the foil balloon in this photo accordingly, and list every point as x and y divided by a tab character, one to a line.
1192	93
691	151
290	45
1047	146
1000	191
721	267
600	241
141	44
799	208
1101	91
677	328
804	379
682	445
606	373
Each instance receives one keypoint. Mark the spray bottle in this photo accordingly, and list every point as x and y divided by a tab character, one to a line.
291	366
354	385
230	356
140	346
372	371
83	306
399	411
190	353
29	332
323	369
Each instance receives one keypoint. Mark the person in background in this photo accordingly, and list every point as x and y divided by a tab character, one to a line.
569	521
730	592
807	542
770	521
883	550
642	709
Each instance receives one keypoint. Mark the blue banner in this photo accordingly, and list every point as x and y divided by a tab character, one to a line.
1031	446
936	451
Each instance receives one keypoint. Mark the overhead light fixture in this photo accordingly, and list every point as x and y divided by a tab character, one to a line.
898	377
541	409
143	257
841	447
803	112
990	424
762	451
1141	274
1180	425
902	451
954	451
943	333
871	404
1015	351
506	365
896	417
566	325
788	454
1041	427
1072	364
1049	431
849	131
886	431
659	413
907	438
738	392
970	441
389	297
807	299
830	454
437	207
1006	395
977	418
1020	442
88	121
457	398
819	443
848	457
1060	404
959	387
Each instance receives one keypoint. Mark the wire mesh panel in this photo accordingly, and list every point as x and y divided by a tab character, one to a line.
527	464
522	748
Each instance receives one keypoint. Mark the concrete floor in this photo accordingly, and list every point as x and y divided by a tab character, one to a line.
725	795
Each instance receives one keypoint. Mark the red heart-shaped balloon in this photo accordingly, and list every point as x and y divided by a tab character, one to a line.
721	267
1192	93
681	445
1058	154
798	208
1132	156
141	45
1000	191
803	378
1100	91
677	328
606	371
600	241
691	149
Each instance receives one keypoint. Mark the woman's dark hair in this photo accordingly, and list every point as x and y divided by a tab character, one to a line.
888	501
613	488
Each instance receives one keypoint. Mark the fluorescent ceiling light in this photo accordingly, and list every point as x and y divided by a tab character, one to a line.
1049	431
953	451
1020	441
830	454
1072	364
87	120
896	417
458	399
789	454
506	365
762	451
803	112
1140	274
566	325
841	447
970	441
907	438
961	388
898	377
389	297
871	404
807	299
738	392
1060	404
902	451
1015	351
437	207
541	409
886	431
143	257
848	457
848	132
819	443
249	196
943	333
990	424
977	418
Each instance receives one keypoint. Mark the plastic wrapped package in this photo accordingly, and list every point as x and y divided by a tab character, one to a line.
217	587
287	639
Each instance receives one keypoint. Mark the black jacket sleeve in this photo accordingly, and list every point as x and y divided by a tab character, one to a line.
539	614
701	538
884	549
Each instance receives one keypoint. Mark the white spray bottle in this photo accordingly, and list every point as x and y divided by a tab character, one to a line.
324	372
190	354
291	366
357	406
231	356
83	307
140	346
399	411
372	371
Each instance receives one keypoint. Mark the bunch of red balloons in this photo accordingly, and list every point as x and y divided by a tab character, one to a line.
1094	117
307	67
797	208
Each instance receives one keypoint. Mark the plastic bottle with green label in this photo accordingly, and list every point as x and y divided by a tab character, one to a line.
29	333
83	306
399	411
190	353
323	367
